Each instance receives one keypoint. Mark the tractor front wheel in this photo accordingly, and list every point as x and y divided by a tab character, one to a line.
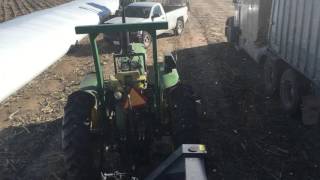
76	137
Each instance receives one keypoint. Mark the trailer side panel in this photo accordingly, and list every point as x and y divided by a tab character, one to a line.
294	35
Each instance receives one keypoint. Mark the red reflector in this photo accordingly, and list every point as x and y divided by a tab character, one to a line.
136	99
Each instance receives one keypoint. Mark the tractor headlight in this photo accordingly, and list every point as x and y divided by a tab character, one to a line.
117	95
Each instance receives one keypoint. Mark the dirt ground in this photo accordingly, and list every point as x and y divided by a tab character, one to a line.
247	135
10	9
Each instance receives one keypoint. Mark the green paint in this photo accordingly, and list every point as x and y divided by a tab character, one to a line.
100	81
89	82
170	79
156	71
130	27
138	55
97	64
93	31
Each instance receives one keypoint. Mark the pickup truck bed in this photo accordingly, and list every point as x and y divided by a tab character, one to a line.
168	9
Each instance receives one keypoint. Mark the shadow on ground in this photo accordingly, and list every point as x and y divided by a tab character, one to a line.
31	152
247	134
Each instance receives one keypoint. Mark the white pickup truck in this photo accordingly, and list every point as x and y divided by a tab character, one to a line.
138	12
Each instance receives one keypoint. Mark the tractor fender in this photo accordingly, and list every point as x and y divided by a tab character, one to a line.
170	76
89	82
170	79
89	85
85	99
82	97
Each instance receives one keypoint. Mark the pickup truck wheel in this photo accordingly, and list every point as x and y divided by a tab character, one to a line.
146	39
290	91
179	27
76	138
271	77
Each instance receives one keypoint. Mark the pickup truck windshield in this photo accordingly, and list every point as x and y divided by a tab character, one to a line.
138	12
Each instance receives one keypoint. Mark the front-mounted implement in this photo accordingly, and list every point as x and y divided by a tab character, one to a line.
122	127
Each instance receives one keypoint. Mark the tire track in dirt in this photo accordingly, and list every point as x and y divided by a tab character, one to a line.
20	8
1	11
213	21
47	3
39	4
27	6
54	3
5	10
32	5
14	10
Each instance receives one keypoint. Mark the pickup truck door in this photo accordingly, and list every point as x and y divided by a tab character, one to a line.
158	15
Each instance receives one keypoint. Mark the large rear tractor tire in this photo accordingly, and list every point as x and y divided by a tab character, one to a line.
231	31
184	116
290	91
272	75
76	137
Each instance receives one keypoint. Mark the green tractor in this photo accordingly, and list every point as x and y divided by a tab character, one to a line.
120	127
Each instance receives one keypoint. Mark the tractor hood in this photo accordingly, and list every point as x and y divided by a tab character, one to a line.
118	20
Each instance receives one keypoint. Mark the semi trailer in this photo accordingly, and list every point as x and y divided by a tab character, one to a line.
283	37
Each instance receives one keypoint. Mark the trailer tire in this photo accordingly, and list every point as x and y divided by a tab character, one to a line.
271	77
231	31
290	91
183	114
76	138
179	27
229	25
146	39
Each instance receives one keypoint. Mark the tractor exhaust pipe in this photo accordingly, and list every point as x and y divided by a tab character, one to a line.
125	40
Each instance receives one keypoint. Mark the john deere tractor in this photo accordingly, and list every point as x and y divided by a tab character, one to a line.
122	126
